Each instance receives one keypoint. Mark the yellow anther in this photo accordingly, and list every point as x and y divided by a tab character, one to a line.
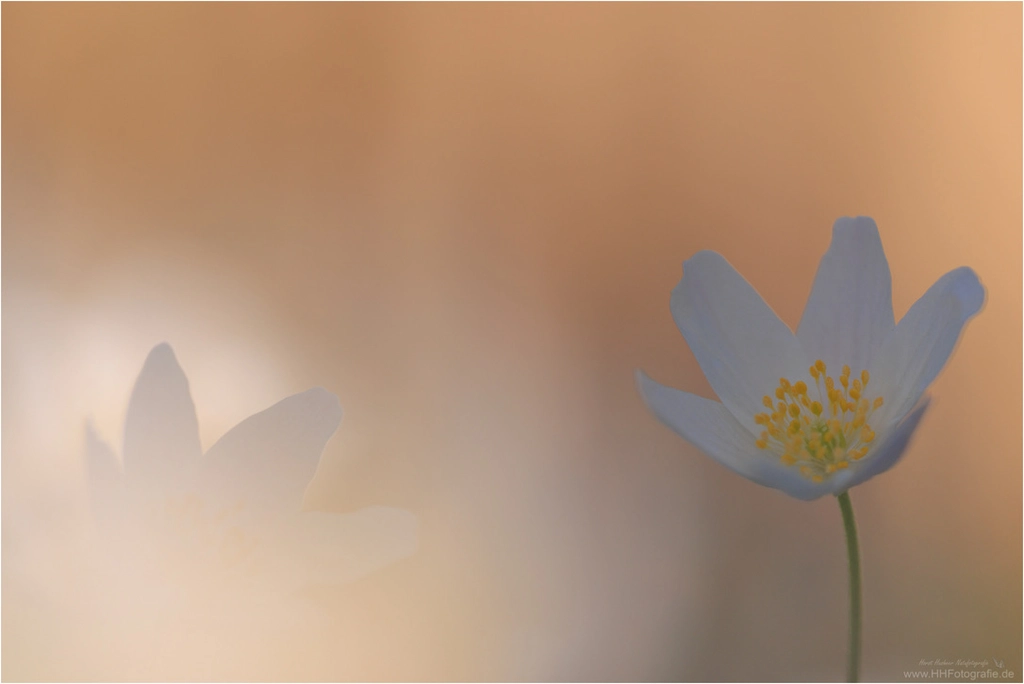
818	443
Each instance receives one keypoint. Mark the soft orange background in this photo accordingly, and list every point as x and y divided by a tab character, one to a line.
466	220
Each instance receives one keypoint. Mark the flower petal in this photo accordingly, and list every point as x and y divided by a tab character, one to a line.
711	427
316	547
161	434
917	349
849	313
885	457
105	480
741	345
267	460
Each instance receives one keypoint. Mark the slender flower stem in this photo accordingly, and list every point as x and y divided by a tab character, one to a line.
853	551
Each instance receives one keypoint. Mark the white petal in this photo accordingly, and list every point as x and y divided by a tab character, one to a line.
267	460
884	457
710	427
105	480
333	548
161	434
849	313
919	346
741	345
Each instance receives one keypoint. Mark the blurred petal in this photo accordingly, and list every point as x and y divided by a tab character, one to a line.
334	548
849	312
885	457
741	345
161	434
710	427
267	460
104	479
919	346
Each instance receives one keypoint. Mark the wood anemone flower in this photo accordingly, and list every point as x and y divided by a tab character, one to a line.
835	404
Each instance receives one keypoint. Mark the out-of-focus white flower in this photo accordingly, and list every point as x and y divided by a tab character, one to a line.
228	523
835	404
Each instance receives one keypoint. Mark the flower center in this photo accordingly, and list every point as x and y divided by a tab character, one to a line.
822	435
196	538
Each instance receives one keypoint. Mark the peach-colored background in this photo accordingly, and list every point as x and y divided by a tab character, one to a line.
466	220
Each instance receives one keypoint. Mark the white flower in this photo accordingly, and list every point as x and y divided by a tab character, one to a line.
231	519
826	409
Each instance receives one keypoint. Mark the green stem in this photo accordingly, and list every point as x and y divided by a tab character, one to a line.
853	551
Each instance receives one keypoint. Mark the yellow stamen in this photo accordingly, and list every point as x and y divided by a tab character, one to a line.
802	434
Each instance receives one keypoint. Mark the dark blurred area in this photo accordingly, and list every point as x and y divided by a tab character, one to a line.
465	221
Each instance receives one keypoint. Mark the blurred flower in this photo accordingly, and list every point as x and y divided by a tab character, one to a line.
826	409
229	521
